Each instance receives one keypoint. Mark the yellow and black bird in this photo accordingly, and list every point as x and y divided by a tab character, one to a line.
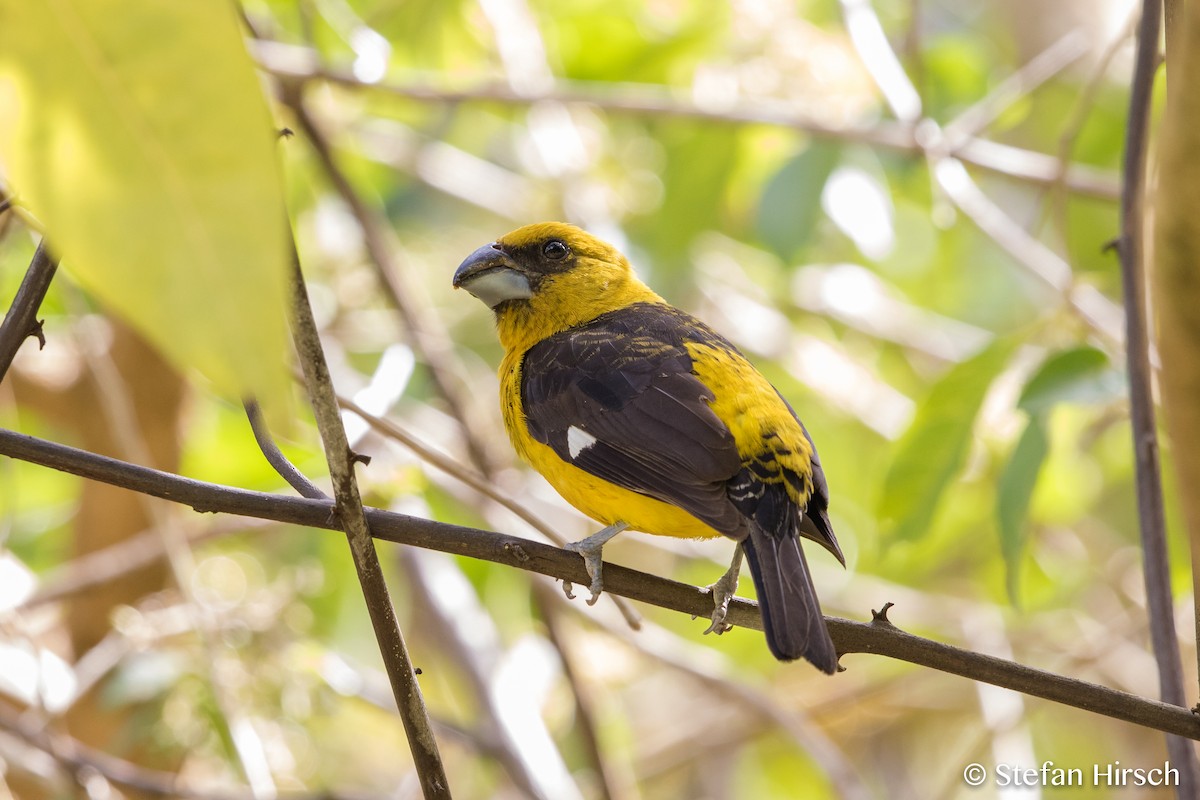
643	417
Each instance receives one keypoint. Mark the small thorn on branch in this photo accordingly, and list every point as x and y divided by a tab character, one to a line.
1112	245
359	458
37	331
881	616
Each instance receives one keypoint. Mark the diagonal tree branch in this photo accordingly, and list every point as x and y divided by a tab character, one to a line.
879	637
21	320
348	514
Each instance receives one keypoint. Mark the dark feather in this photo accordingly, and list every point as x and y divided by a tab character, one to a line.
791	613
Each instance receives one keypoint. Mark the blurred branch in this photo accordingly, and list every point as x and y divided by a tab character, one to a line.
449	604
608	785
1038	260
1151	514
1044	66
942	148
118	412
879	637
117	560
713	670
348	515
299	65
1078	117
429	342
20	322
81	761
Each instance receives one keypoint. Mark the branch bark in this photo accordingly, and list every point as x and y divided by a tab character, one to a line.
1151	514
21	320
879	636
348	514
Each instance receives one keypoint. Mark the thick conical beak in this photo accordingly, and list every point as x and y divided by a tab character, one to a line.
492	276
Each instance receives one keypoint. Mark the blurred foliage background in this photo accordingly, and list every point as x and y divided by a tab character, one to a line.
899	211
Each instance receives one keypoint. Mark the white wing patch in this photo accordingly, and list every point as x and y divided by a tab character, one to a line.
578	440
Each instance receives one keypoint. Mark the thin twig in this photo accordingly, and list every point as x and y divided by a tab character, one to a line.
351	518
1151	514
21	320
850	637
275	457
300	65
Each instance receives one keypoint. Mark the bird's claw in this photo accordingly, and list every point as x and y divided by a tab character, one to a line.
718	624
594	565
722	592
591	549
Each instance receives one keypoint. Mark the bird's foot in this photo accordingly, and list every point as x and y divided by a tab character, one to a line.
591	549
722	592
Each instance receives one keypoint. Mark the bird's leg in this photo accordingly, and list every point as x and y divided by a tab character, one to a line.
722	592
591	549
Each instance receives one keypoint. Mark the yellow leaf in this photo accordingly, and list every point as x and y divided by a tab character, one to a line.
137	133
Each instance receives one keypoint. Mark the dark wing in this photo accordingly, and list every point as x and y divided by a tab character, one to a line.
617	398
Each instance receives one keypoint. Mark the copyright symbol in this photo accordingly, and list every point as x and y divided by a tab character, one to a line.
975	774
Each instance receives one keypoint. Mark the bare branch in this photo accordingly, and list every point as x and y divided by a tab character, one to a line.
850	637
1151	514
275	457
349	515
21	320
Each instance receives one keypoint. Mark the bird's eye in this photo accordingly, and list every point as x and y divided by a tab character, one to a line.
555	250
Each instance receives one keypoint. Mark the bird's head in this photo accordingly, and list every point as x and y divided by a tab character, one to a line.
545	278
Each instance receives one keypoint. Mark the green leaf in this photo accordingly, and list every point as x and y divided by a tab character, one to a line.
1014	492
791	202
137	133
933	448
1079	375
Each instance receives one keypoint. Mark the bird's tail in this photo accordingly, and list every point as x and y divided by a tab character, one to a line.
791	613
